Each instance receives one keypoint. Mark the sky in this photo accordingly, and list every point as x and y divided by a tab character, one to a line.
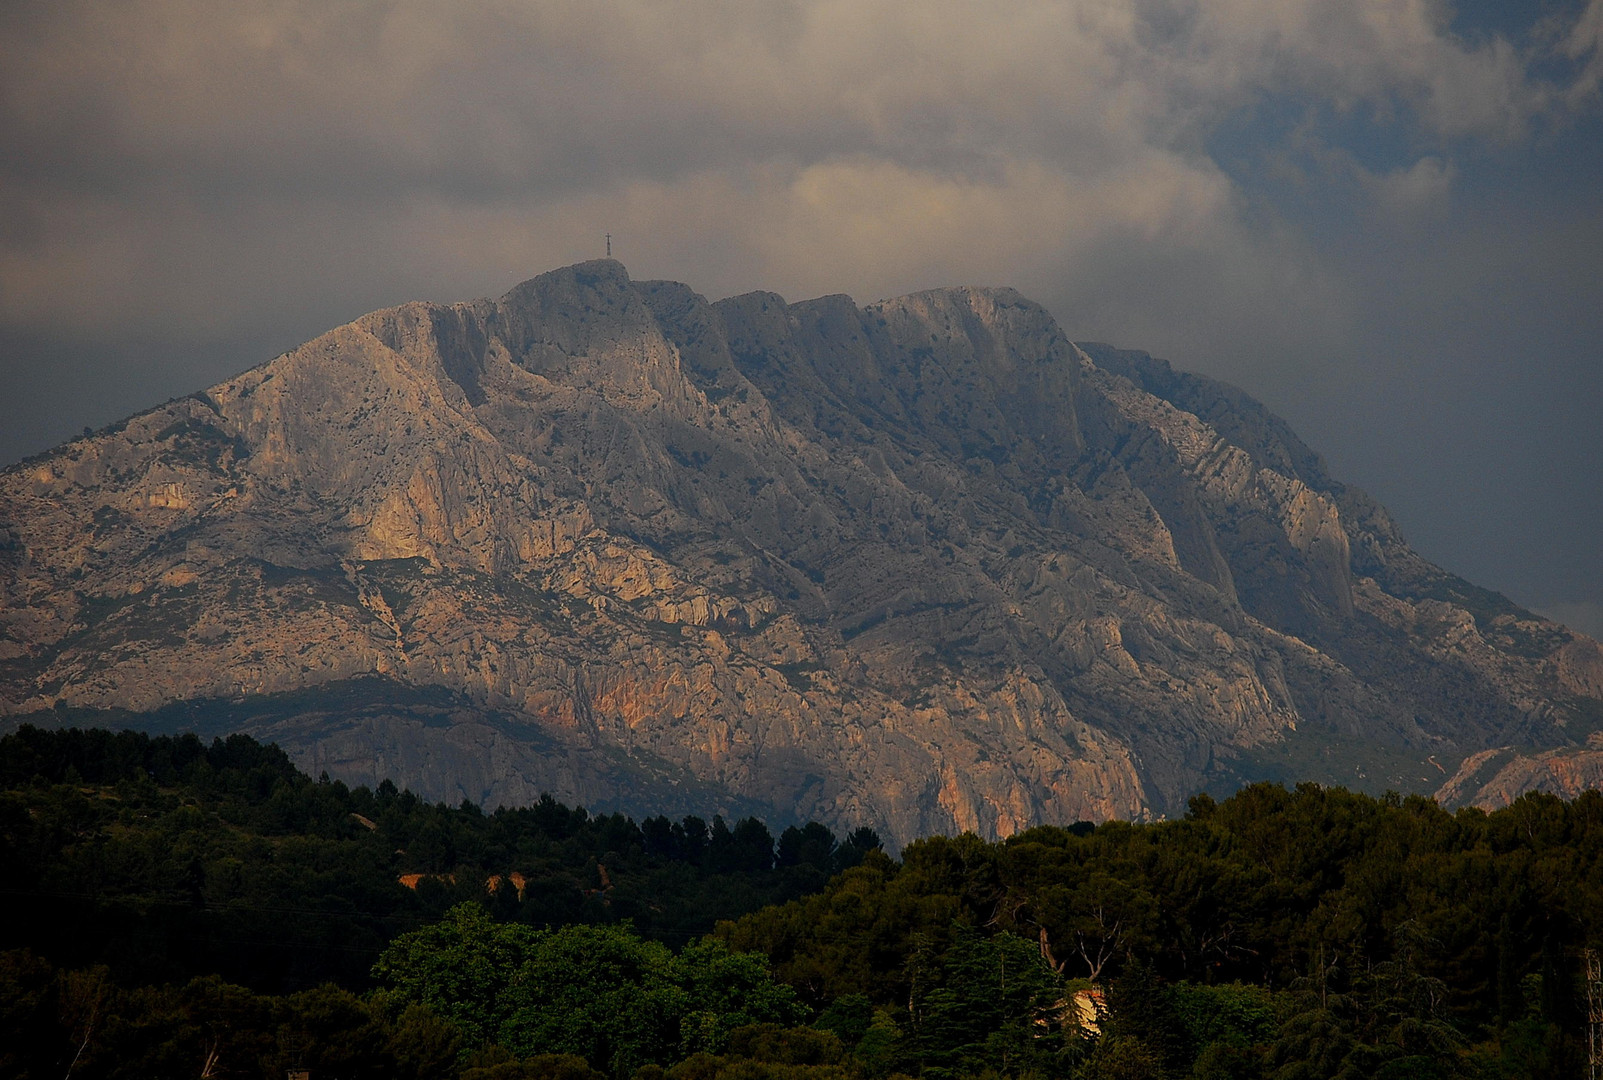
1383	218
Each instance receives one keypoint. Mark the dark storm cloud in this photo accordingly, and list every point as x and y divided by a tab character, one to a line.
1360	210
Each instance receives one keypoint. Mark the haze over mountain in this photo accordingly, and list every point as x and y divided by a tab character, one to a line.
925	565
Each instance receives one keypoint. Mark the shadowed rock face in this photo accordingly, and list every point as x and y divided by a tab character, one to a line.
925	565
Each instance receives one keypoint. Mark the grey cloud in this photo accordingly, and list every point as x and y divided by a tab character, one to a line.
232	124
487	99
182	161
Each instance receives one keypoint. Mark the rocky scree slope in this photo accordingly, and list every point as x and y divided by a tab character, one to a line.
925	565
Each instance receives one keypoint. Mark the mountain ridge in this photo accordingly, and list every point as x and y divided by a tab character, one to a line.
924	564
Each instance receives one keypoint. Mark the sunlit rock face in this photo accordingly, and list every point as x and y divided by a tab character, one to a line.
925	565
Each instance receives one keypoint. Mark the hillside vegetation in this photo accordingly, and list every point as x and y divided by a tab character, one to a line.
180	909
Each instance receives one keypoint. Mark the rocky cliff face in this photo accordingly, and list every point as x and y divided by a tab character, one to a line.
925	564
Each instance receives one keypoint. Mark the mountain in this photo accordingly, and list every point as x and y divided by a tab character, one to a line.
925	565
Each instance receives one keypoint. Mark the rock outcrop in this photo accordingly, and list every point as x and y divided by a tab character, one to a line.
1495	778
924	564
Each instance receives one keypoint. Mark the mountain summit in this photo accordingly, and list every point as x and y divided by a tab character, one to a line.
925	565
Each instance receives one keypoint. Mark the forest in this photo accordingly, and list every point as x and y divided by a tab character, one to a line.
176	908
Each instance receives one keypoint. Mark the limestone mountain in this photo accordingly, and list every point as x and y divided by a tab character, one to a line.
925	565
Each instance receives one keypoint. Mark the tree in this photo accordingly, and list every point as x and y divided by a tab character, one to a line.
1096	920
602	993
727	990
986	1002
461	967
596	991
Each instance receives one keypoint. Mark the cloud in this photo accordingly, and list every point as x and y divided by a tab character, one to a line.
1418	189
199	165
1582	43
